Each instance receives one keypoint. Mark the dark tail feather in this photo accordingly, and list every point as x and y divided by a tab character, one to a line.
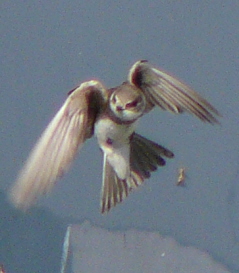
146	155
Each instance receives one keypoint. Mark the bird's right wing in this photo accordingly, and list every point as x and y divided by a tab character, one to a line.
59	143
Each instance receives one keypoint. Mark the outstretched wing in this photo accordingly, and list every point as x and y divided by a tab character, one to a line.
59	143
170	94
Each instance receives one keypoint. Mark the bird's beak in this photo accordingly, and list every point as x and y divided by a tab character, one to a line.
119	108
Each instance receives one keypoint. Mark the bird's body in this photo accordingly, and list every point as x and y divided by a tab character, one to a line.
114	141
111	115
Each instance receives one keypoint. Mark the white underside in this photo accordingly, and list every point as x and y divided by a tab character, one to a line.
113	139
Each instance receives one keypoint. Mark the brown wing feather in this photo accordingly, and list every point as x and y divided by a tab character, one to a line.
58	145
169	93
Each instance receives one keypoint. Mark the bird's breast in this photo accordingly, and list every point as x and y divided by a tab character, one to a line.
111	134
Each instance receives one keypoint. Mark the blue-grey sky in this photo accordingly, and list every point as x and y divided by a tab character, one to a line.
47	48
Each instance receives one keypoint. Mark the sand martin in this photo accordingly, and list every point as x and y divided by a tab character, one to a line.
110	115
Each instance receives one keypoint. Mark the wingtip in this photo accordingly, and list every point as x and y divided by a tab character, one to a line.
17	200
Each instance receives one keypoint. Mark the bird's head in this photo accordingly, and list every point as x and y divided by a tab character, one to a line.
127	102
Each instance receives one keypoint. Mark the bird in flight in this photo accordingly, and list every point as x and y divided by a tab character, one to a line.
110	115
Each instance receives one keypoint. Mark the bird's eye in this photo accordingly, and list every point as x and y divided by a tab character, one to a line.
132	104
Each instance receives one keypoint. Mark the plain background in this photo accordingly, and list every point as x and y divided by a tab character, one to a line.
47	48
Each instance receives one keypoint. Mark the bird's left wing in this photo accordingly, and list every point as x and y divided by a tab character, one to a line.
59	143
169	93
